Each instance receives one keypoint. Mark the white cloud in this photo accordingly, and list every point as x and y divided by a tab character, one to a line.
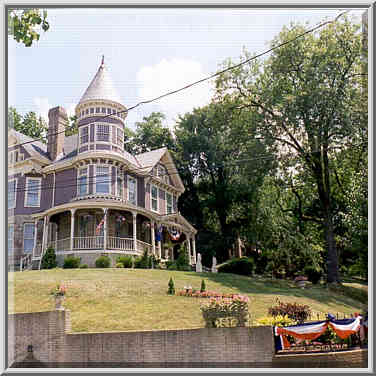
169	75
42	104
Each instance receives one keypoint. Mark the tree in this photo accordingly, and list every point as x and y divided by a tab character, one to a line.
72	127
30	124
152	134
25	25
304	97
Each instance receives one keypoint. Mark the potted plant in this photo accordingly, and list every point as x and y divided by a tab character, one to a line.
300	281
59	294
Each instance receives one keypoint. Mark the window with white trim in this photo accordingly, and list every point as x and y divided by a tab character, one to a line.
10	239
12	196
83	185
28	237
169	206
119	183
91	110
109	110
102	179
103	110
154	198
120	137
32	193
97	110
84	135
103	132
132	187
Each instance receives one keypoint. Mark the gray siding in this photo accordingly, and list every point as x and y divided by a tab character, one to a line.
141	192
91	178
162	201
66	186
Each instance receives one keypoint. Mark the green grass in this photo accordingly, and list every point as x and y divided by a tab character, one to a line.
135	299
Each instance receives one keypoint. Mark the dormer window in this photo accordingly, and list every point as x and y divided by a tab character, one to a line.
84	135
103	132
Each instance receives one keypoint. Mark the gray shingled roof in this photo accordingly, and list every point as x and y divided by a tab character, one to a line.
101	87
31	145
150	158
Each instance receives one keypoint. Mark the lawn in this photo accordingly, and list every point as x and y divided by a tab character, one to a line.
135	299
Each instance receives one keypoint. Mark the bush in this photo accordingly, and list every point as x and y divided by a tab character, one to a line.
242	266
49	259
142	262
171	287
83	266
127	261
203	286
278	320
119	265
103	262
71	262
313	274
297	312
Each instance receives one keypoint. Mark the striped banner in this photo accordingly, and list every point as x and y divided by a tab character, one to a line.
345	327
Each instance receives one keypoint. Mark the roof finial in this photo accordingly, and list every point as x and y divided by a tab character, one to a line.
102	60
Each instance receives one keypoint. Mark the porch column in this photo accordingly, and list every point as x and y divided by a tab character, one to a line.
189	248
35	235
45	234
159	243
152	233
194	247
72	229
105	211
134	231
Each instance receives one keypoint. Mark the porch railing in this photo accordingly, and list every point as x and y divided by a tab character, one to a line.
88	242
37	251
125	244
142	246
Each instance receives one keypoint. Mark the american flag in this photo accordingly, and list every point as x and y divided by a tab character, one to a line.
98	229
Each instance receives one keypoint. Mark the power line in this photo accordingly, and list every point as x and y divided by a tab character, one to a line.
320	25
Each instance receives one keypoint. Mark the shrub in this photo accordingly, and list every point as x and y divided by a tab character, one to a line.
142	262
313	274
71	262
83	266
171	287
297	312
49	259
182	262
103	262
119	265
242	266
278	320
125	260
203	286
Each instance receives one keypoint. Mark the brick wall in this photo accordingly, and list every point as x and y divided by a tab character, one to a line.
48	332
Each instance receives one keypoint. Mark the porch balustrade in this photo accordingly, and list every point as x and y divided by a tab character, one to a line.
88	242
142	246
125	244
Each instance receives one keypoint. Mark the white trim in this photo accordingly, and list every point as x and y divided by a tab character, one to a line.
79	135
121	174
151	198
135	193
78	180
15	193
172	202
23	237
27	189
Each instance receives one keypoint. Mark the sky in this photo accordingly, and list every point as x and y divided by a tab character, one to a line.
148	52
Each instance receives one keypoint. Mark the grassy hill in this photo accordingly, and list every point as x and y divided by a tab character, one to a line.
136	299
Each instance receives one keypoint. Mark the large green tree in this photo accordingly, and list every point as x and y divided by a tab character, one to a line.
304	96
25	25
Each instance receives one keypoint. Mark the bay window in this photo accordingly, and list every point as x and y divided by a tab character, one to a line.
84	135
119	183
132	185
102	183
103	132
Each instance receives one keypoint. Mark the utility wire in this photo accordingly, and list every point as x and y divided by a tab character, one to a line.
320	25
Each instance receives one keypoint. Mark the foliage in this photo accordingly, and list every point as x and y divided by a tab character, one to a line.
59	290
83	266
71	262
241	266
278	320
25	25
143	261
307	100
203	286
49	259
125	260
225	308
182	262
119	265
72	128
30	124
103	262
171	287
313	274
297	312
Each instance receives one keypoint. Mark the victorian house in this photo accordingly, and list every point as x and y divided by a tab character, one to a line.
84	195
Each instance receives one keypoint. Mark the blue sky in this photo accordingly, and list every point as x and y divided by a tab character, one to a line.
147	51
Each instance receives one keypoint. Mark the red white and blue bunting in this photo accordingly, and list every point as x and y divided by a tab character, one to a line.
310	331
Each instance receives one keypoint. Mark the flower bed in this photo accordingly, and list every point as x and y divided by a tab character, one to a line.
205	294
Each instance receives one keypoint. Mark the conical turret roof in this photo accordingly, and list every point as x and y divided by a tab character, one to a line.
101	87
